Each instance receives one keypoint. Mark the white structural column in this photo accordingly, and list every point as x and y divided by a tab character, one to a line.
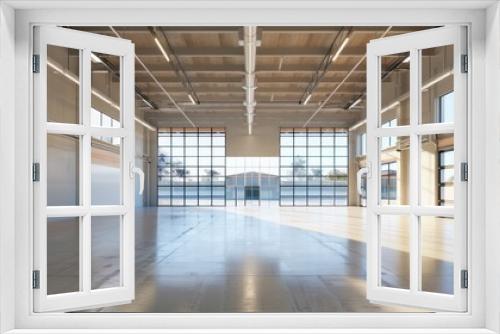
250	44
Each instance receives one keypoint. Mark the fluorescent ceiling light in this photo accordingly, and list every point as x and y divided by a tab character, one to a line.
355	103
146	125
148	103
307	99
95	58
357	125
191	98
437	79
342	46
162	49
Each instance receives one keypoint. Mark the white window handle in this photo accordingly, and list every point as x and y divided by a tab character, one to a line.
359	176
136	170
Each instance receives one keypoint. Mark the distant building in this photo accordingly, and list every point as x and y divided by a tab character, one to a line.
252	186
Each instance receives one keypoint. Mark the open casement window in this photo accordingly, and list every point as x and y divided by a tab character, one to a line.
417	245
83	170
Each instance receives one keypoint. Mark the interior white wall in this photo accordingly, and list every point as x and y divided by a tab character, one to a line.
492	127
7	167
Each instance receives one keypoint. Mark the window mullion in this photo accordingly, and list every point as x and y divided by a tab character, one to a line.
85	172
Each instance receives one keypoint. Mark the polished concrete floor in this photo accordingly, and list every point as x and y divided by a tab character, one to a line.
267	259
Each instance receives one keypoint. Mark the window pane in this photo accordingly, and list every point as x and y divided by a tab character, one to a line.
191	151
205	151
219	151
437	170
191	161
327	196
286	151
106	172
192	196
287	140
395	251
394	173
437	105
300	139
395	83
437	243
63	85
164	139
63	170
164	194
178	139
219	140
106	89
191	139
63	255
105	250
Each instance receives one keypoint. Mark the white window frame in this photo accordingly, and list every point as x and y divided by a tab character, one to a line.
482	310
85	43
415	210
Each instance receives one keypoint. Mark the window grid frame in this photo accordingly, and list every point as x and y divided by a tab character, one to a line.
184	186
335	200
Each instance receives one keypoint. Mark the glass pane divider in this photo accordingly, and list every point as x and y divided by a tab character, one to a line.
414	177
108	210
66	211
392	210
434	128
66	129
85	170
108	132
398	131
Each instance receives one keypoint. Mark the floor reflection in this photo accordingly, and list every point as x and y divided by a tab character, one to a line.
264	260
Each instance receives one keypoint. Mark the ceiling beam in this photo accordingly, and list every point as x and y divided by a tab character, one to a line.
337	88
162	39
238	90
153	77
334	51
116	74
238	52
236	106
143	81
159	68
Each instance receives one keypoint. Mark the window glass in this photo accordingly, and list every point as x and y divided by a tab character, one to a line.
313	166
446	108
193	162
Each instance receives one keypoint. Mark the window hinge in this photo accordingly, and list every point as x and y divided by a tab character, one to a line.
36	64
36	172
36	279
465	63
464	171
464	279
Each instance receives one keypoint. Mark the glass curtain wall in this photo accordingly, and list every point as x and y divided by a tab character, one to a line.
191	167
313	167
